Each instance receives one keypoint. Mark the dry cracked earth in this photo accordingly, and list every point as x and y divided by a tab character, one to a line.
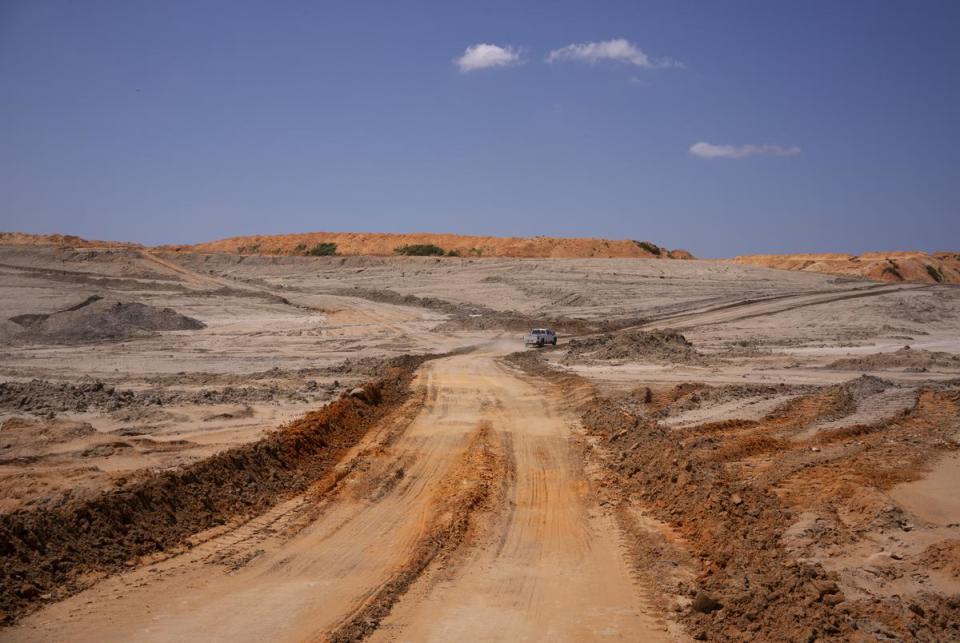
288	448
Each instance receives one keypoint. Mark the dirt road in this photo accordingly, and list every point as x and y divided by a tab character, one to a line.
537	559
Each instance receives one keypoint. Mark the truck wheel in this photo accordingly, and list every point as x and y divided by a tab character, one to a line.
554	342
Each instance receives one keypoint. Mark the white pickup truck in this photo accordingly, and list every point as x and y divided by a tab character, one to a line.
540	337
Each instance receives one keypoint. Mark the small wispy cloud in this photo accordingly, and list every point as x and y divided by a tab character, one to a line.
617	50
485	56
711	151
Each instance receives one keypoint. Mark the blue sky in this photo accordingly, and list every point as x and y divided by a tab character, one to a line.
175	122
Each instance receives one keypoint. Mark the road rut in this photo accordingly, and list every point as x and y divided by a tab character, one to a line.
544	561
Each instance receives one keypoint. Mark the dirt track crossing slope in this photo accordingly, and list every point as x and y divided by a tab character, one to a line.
768	306
467	516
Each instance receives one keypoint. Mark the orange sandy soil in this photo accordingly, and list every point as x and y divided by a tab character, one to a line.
380	244
940	267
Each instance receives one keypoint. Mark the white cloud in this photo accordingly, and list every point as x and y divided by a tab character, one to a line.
618	50
483	56
710	151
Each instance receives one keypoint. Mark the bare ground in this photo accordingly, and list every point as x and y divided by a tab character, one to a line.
718	452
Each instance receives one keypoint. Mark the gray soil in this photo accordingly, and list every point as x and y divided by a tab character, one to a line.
95	319
915	360
634	345
757	472
41	397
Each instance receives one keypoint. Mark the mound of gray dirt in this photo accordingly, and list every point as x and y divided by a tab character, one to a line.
866	386
906	358
97	319
634	345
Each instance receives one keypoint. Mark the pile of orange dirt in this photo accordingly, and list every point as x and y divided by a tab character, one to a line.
919	267
50	553
384	244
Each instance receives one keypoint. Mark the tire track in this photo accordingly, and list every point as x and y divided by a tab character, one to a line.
468	488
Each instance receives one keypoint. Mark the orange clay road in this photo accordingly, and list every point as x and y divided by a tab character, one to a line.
542	563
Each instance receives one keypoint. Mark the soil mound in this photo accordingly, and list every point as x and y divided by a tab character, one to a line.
634	345
99	319
865	386
906	358
940	267
382	244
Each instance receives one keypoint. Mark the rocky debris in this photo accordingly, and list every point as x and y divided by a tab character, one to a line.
687	396
98	319
41	397
359	366
634	345
704	604
906	358
866	386
352	367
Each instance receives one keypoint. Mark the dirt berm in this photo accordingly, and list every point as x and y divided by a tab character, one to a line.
41	397
51	553
917	360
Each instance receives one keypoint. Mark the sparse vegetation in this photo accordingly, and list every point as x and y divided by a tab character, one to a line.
477	252
652	248
453	253
300	249
252	249
323	249
420	250
934	273
892	269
